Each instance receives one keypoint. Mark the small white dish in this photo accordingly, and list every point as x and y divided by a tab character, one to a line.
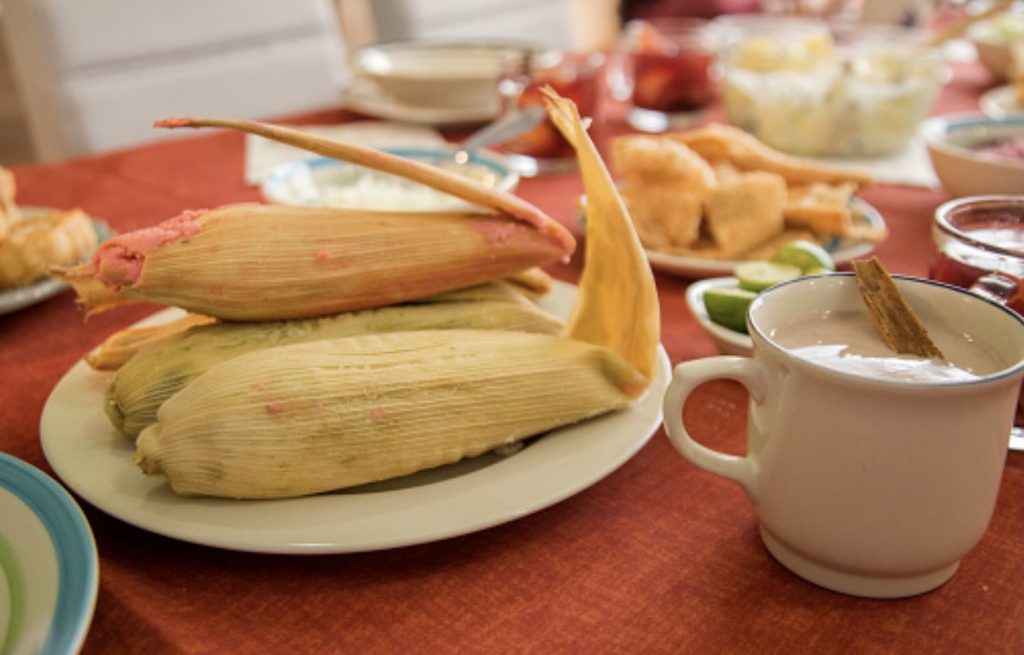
327	182
841	250
993	40
729	342
49	572
952	141
95	460
1000	102
15	298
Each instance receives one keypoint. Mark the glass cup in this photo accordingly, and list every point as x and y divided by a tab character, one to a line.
979	245
574	76
865	480
663	69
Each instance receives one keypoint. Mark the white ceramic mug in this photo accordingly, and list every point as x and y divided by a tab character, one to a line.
869	486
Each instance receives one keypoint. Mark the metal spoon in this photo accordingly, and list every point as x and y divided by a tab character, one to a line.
505	128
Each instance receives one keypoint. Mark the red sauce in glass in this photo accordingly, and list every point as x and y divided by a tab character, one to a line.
672	82
578	84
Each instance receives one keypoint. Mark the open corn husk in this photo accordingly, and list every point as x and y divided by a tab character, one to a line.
159	371
306	418
617	306
119	347
265	262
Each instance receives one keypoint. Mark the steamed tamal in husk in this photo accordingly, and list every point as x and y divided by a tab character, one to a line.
323	415
265	262
159	371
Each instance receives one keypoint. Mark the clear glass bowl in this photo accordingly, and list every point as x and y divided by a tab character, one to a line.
809	90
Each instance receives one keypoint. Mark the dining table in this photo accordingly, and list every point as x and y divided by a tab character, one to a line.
657	556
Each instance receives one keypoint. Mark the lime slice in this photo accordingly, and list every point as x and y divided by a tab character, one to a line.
805	255
758	276
728	306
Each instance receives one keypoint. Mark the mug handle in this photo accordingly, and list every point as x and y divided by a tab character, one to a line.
1001	288
688	376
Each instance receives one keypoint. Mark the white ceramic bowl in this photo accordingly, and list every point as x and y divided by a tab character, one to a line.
729	342
951	142
442	74
992	38
326	182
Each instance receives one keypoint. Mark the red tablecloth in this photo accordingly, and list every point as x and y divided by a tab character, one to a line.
659	557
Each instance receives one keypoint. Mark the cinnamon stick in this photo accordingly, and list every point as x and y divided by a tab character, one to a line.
899	326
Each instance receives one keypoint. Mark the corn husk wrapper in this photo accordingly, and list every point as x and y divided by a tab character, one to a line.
370	408
121	346
259	262
617	305
159	371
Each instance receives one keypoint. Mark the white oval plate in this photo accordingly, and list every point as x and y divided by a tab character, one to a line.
48	567
1000	102
842	250
11	300
96	461
729	342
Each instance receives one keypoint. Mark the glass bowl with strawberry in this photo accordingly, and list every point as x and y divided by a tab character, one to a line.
663	67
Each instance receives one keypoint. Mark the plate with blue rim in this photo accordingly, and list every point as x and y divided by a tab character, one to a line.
49	572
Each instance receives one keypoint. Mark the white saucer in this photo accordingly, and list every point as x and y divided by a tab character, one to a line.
1000	101
364	97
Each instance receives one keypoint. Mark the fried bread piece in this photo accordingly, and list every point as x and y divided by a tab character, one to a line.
664	217
8	209
664	186
653	158
824	208
746	212
746	152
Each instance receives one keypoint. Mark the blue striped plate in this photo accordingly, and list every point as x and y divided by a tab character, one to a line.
48	566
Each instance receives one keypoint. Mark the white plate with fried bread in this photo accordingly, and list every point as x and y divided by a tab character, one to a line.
843	250
94	460
15	298
704	198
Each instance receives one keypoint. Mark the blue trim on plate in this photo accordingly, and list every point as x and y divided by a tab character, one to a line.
428	155
73	544
976	121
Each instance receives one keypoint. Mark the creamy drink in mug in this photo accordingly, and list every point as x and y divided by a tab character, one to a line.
871	473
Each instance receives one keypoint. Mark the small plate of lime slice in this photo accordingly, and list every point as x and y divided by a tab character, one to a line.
729	341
